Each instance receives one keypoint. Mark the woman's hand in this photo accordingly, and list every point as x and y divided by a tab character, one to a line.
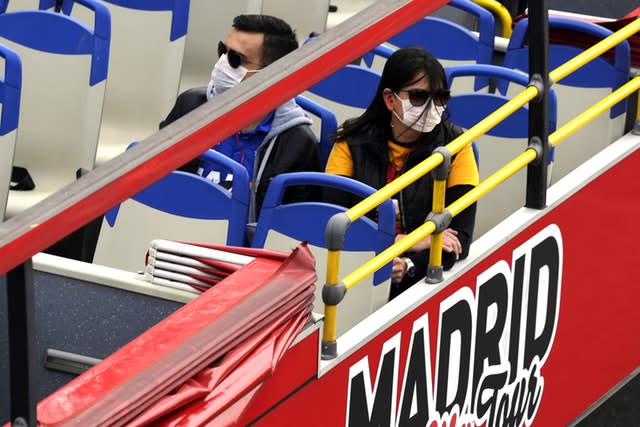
450	242
398	270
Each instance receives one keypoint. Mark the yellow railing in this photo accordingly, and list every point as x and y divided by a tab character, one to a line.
501	12
594	51
497	178
521	161
595	110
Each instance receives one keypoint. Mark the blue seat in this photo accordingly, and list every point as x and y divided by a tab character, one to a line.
579	90
328	125
347	92
467	109
61	59
180	206
351	85
147	48
10	87
599	73
501	143
280	226
447	40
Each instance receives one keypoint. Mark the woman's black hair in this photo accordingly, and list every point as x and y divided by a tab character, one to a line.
400	70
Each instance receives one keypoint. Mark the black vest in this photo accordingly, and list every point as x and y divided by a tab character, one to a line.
369	154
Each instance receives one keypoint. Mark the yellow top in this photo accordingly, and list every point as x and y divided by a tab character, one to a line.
463	167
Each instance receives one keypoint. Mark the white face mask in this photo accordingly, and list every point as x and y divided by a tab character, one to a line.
224	77
417	118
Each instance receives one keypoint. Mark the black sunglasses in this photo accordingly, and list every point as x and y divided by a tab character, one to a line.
235	58
419	97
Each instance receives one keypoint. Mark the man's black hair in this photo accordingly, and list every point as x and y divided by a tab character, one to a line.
279	38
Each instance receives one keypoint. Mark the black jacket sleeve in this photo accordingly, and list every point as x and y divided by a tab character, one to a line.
464	222
186	102
296	150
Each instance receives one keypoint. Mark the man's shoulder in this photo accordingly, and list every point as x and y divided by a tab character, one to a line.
192	98
186	102
301	133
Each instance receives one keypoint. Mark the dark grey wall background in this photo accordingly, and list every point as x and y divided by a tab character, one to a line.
77	317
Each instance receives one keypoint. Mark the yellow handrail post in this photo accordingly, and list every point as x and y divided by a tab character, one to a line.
330	310
501	12
438	216
333	291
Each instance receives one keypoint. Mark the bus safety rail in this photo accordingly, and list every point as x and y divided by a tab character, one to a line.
334	290
501	12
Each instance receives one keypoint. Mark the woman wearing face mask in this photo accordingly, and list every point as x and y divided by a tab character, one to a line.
401	127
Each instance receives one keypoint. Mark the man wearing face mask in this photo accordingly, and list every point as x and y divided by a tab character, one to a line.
280	142
401	127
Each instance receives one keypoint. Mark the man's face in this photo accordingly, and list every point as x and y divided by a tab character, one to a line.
249	48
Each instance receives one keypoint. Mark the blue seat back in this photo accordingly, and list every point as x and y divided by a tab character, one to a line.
59	34
599	73
307	220
179	9
447	40
328	125
180	206
187	195
147	39
10	86
62	60
468	109
351	85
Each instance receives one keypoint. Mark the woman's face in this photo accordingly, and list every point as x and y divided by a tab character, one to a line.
417	93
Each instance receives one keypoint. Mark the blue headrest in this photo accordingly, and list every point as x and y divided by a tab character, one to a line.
351	85
179	9
61	34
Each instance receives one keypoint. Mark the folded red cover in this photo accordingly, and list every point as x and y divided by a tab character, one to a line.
239	315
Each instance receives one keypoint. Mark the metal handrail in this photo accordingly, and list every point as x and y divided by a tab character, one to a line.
501	12
524	159
424	167
594	51
488	184
595	110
